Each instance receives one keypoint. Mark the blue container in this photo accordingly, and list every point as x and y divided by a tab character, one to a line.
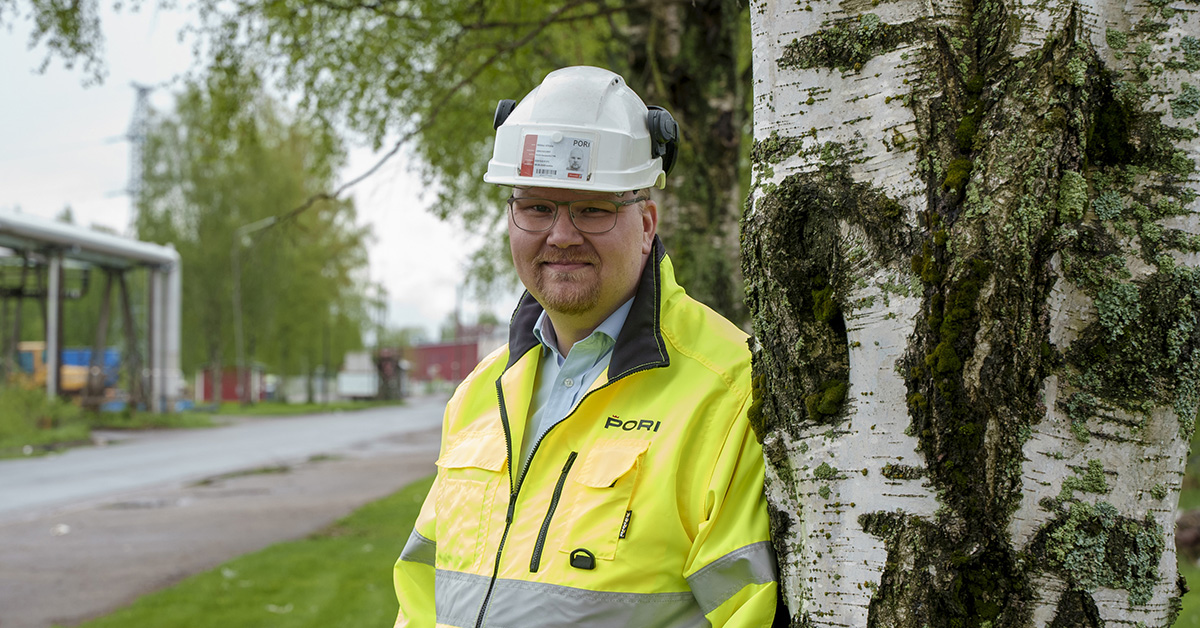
76	357
111	362
26	360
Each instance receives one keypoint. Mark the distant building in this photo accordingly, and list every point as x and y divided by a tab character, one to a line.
452	361
256	381
443	361
359	377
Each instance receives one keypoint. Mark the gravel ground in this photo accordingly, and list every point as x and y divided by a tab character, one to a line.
73	564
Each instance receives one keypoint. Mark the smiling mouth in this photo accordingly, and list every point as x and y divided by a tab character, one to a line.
564	264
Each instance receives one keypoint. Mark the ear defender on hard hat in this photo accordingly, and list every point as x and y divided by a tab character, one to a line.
503	108
664	135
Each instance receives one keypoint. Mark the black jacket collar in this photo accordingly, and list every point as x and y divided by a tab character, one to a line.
640	344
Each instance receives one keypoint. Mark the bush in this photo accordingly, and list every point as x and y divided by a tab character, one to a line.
29	420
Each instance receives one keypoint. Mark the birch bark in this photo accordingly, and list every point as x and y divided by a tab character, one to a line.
971	255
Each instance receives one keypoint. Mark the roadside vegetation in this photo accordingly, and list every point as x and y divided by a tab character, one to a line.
1190	616
279	408
1189	567
338	577
31	424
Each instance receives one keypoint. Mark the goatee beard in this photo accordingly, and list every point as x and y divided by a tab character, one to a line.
560	292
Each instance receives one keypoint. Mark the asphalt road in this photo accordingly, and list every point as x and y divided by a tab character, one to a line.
144	459
90	530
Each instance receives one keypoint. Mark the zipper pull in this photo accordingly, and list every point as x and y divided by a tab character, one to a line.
512	505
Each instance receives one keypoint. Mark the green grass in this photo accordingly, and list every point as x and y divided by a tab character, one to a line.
39	441
271	470
204	418
340	577
1189	498
149	420
30	423
1189	617
278	408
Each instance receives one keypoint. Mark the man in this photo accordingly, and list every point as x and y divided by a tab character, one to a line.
599	470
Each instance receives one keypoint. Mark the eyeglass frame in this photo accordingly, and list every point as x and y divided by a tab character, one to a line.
570	213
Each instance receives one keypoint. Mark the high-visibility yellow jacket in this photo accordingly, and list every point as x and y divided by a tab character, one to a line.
643	508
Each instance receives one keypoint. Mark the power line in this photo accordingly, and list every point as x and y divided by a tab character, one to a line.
137	142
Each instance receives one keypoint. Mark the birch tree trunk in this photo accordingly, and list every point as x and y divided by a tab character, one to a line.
971	255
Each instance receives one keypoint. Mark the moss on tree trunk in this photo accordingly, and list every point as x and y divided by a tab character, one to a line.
1007	216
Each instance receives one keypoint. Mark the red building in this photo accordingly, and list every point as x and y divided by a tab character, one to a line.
445	361
256	384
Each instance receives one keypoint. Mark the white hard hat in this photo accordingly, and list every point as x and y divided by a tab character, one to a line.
623	144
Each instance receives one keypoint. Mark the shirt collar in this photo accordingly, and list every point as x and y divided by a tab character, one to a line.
640	345
611	327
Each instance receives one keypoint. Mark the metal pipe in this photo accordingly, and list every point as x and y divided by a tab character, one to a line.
53	232
52	348
154	328
173	300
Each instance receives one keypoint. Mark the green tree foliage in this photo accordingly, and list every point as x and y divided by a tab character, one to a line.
70	31
227	157
424	76
403	337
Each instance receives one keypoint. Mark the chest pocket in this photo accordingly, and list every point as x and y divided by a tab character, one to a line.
470	476
602	490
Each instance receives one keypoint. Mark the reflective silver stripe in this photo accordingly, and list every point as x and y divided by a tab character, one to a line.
725	576
519	604
419	549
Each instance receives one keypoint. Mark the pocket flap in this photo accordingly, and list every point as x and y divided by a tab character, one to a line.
479	449
608	460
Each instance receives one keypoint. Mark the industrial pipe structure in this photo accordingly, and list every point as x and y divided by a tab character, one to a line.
56	241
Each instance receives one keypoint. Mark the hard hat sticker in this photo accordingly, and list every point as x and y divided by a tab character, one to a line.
556	156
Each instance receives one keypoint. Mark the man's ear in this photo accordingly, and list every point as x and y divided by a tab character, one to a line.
649	226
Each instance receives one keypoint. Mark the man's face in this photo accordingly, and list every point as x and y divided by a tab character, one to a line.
578	273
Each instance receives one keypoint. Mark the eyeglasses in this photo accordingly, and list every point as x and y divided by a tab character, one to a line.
588	215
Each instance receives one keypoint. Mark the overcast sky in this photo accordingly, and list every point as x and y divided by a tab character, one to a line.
63	145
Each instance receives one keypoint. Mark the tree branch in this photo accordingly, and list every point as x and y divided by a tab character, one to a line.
380	8
541	26
598	13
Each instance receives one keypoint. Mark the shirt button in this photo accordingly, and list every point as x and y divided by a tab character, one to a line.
568	382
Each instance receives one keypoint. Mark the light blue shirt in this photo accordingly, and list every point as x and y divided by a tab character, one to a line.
562	381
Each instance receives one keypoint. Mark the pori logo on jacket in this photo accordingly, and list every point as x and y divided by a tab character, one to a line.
615	421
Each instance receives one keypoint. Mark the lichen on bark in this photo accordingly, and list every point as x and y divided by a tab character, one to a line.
1100	548
1047	177
847	44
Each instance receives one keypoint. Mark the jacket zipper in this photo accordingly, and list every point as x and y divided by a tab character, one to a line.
512	498
516	486
512	504
536	560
